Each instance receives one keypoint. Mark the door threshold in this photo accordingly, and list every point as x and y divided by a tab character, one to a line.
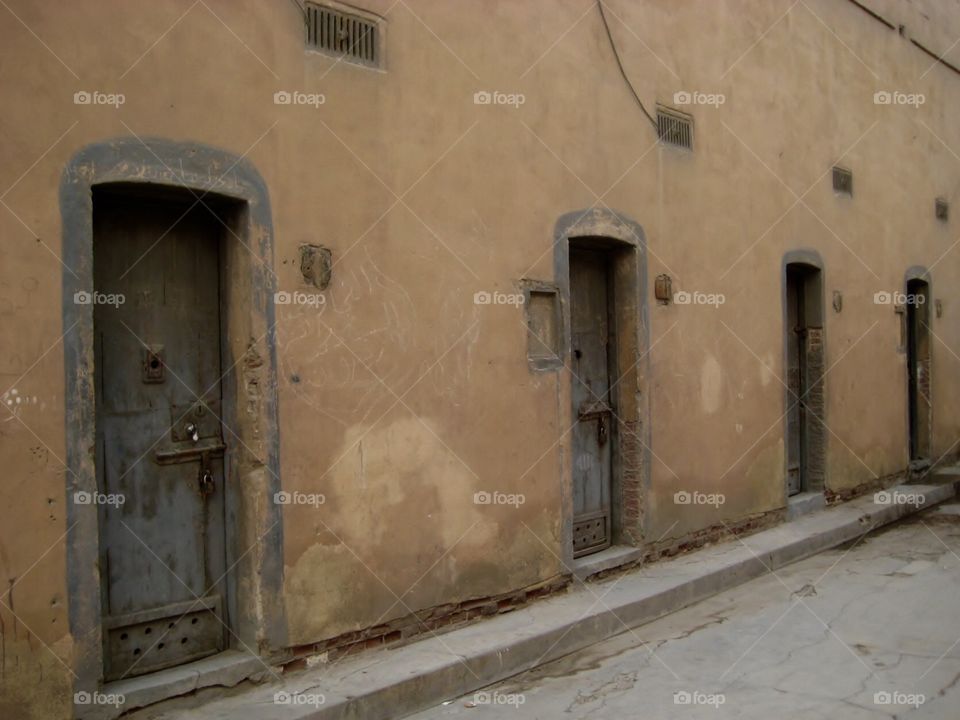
804	503
225	669
608	559
918	467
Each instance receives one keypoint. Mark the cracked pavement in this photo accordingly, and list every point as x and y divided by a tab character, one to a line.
870	629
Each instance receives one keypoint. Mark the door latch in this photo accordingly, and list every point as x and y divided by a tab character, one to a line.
193	432
206	484
601	430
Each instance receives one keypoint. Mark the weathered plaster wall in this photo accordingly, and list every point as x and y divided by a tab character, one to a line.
400	398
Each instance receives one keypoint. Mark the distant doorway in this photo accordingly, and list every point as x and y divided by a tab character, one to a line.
804	365
591	328
600	269
919	406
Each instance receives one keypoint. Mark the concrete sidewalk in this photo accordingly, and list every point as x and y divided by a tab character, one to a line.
390	683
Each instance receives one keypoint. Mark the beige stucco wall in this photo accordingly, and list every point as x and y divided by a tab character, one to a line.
401	397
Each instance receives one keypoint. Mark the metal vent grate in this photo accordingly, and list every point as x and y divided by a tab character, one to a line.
674	128
351	37
843	181
942	209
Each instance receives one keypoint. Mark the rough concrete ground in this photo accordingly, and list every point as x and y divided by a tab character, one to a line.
866	630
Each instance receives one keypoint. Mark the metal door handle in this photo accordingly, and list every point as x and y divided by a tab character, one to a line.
193	431
206	483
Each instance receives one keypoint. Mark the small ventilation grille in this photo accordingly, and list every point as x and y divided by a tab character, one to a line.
351	37
674	128
843	181
942	209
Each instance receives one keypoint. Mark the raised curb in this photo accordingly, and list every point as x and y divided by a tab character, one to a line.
391	683
225	670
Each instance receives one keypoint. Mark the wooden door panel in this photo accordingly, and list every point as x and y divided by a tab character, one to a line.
162	549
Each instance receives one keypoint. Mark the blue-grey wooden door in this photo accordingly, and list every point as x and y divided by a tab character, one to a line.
590	324
160	443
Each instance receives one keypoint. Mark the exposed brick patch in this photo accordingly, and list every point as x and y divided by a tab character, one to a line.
814	401
450	615
700	538
630	455
886	481
835	498
402	629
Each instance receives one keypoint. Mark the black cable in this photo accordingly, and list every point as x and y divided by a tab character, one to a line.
623	72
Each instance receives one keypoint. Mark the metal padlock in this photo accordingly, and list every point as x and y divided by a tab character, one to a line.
206	484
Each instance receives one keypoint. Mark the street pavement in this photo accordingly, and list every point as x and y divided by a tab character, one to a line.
870	629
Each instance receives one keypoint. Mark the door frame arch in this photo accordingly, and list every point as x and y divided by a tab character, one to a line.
258	616
918	274
810	260
607	228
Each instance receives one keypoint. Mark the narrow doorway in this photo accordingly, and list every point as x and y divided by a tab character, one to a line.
918	370
804	356
159	442
592	342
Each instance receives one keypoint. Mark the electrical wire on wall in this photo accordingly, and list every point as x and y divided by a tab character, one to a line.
623	72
